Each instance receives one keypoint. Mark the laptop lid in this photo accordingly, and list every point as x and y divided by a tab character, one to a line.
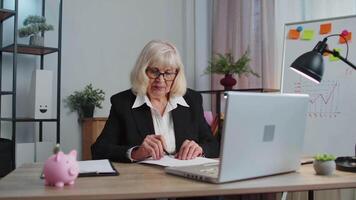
262	134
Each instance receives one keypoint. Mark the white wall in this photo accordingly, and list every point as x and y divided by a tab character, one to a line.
102	39
203	44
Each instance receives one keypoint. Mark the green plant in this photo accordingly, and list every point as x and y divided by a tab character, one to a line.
34	24
87	97
226	64
324	157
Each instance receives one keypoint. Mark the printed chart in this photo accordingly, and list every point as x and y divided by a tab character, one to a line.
324	98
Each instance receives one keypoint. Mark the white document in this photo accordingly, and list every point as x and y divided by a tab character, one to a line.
170	161
97	166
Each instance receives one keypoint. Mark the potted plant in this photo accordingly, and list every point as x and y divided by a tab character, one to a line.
226	65
85	101
32	26
324	164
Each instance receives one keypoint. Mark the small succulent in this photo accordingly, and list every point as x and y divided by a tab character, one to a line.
324	157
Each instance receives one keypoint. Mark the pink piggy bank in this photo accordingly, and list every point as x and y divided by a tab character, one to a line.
60	169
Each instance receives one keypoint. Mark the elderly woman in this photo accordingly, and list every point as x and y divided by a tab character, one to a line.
158	115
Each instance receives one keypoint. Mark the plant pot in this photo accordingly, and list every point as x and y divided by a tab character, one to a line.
228	81
87	111
324	167
36	40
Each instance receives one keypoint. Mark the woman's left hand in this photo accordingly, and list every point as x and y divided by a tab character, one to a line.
189	150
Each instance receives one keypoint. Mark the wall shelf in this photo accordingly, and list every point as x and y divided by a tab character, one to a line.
6	93
30	50
26	119
5	14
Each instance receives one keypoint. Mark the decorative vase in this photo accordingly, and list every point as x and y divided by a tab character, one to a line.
87	111
36	40
228	81
324	167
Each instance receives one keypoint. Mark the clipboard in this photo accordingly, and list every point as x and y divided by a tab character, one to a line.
109	169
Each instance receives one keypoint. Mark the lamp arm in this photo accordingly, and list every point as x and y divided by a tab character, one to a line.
337	54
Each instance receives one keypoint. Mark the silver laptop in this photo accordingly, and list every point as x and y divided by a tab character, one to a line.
262	135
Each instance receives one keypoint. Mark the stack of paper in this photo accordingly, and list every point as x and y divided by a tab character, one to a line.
170	161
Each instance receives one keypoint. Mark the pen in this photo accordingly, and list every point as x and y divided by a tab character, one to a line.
166	152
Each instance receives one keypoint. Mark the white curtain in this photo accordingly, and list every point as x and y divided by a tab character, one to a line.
242	24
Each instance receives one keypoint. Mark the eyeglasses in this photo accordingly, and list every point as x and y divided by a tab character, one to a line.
154	73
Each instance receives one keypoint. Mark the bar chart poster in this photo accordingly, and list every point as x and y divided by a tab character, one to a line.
331	117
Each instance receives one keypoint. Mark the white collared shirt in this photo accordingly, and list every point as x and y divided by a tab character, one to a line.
163	125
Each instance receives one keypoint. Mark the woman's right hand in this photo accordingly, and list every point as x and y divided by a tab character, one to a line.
152	145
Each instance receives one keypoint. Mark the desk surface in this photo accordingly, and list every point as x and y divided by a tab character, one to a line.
142	181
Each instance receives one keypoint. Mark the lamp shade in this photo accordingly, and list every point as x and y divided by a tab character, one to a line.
310	65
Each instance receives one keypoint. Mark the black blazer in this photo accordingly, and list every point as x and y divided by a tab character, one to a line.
127	127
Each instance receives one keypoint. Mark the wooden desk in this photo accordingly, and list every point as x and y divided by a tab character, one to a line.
141	181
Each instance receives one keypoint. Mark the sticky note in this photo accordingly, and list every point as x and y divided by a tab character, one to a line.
348	38
325	28
333	58
293	34
308	35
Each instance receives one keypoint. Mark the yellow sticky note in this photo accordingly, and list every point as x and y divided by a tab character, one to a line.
333	58
308	34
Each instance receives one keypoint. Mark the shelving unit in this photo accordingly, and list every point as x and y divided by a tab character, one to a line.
15	49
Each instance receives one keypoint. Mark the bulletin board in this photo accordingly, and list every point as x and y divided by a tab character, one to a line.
331	120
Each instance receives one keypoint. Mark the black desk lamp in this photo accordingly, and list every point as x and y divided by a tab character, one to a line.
311	64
